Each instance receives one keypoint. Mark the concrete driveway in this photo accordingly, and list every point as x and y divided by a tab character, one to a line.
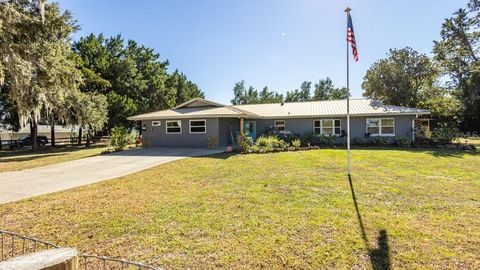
23	184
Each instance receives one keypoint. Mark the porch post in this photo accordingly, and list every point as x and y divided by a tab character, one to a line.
242	124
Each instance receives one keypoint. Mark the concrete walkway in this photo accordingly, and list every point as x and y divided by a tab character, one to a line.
23	184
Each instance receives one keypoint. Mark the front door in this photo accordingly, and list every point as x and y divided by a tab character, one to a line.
250	129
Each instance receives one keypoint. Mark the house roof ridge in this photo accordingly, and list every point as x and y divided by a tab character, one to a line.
238	110
308	101
210	102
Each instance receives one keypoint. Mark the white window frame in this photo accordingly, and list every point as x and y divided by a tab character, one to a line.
380	126
333	126
156	123
275	125
179	125
190	126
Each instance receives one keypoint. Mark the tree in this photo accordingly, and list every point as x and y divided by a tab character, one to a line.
36	56
325	90
91	112
178	85
121	107
442	105
239	93
266	96
299	95
457	54
251	96
244	96
338	93
305	88
401	78
134	73
8	111
292	96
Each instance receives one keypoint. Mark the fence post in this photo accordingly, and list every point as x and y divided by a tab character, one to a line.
53	259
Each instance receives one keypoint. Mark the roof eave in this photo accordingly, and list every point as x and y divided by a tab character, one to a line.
337	115
138	118
255	116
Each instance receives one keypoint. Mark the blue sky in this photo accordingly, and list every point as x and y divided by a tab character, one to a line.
277	43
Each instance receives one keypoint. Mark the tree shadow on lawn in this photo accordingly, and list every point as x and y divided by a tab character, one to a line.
380	256
28	154
432	151
175	152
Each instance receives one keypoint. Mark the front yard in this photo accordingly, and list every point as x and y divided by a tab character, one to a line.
408	209
21	159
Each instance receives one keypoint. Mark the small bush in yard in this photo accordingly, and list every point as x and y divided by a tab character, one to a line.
403	141
313	139
119	138
380	140
444	135
296	143
357	141
286	136
270	142
244	142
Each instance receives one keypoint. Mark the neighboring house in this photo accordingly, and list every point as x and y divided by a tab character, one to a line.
201	123
61	132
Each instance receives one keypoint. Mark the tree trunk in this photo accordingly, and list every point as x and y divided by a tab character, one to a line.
79	136
52	131
88	138
33	132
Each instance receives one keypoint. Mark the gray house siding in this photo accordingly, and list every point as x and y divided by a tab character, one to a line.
221	127
358	125
157	136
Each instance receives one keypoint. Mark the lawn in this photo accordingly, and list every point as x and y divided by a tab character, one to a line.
472	140
405	209
26	158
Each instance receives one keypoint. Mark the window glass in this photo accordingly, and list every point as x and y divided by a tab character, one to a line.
330	127
373	126
156	123
279	125
327	124
316	126
381	126
327	131
337	127
174	126
387	122
387	130
198	126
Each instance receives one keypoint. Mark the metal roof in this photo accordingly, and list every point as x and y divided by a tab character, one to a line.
358	107
325	108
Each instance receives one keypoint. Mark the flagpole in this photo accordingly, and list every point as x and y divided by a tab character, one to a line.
347	10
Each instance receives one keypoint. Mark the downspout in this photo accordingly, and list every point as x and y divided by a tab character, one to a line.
413	128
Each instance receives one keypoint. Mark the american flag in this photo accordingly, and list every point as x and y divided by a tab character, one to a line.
351	37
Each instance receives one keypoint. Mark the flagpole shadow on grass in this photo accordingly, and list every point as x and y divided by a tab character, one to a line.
379	256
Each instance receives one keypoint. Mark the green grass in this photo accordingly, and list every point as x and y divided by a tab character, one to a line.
418	209
472	140
20	159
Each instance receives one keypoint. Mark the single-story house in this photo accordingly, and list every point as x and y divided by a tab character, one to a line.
201	123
